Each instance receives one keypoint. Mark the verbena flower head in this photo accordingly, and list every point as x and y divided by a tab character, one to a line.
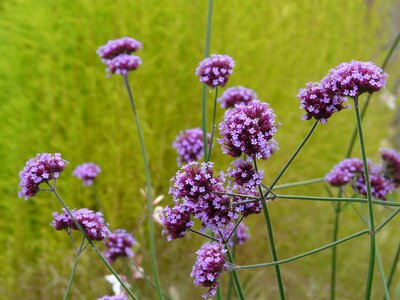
241	234
343	172
215	70
91	222
176	221
209	265
318	103
380	186
87	172
42	168
119	244
391	165
244	174
237	95
354	78
250	208
123	64
247	129
189	145
113	298
113	48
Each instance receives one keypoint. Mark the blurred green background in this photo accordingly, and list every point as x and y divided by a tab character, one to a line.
55	97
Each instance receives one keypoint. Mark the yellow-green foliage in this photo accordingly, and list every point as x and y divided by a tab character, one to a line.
55	97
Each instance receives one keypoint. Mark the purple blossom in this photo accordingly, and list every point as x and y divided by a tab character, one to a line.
318	103
391	165
343	172
247	129
87	172
91	222
241	234
244	174
42	168
237	95
122	64
113	298
250	208
380	186
351	79
176	221
119	244
215	70
189	145
209	265
113	48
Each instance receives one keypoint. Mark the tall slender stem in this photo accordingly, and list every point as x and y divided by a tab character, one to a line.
71	276
299	183
393	267
270	234
383	277
213	123
334	249
148	190
238	287
370	278
103	259
230	284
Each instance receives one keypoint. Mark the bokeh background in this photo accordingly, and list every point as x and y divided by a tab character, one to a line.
55	97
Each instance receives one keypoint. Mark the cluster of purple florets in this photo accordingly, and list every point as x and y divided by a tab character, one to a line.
117	55
244	174
209	265
91	222
215	70
382	177
237	95
350	79
247	129
189	145
119	244
42	168
87	172
176	221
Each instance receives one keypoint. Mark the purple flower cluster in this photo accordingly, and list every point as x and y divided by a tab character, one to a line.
119	244
380	186
318	103
113	298
113	48
209	265
42	168
91	222
189	145
247	129
244	174
116	54
237	95
249	208
176	221
351	79
215	70
343	172
87	172
241	234
391	165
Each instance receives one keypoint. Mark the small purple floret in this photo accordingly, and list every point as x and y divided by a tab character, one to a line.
351	79
237	95
42	168
247	129
87	172
215	70
122	64
209	265
119	244
189	145
113	48
91	222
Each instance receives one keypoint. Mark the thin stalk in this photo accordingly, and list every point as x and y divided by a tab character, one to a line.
236	280
234	229
287	260
383	277
230	284
72	275
103	259
387	220
299	183
213	123
370	278
364	109
204	88
204	235
334	249
270	234
148	190
393	267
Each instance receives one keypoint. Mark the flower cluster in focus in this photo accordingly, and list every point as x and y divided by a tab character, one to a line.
215	70
237	95
119	244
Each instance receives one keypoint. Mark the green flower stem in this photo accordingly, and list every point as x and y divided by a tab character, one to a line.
213	124
270	234
72	275
237	195
103	259
299	183
370	278
334	249
204	88
204	235
148	191
287	260
364	109
387	220
393	267
236	280
383	277
230	284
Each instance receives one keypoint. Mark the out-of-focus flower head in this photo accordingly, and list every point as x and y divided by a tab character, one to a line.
119	244
113	48
123	64
241	233
87	172
189	145
391	164
343	172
